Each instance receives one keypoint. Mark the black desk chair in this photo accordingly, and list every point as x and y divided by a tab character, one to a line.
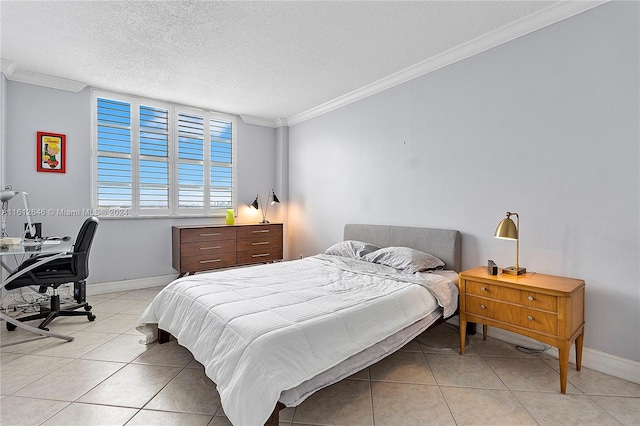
71	268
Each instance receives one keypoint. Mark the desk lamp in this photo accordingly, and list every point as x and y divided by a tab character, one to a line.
257	204
507	230
6	195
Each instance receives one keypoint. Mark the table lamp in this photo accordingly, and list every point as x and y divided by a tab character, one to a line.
5	196
257	204
507	230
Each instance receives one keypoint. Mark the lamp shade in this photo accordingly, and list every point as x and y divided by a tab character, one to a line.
507	230
255	204
274	197
7	194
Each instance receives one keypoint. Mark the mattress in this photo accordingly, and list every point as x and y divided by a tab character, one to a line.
263	330
369	356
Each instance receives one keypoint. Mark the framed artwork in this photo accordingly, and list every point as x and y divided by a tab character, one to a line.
52	152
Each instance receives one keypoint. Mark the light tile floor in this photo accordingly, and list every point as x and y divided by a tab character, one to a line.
106	377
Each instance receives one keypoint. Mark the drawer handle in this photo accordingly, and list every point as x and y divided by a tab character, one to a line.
211	261
530	297
260	255
260	243
482	307
530	318
210	235
257	232
209	248
483	288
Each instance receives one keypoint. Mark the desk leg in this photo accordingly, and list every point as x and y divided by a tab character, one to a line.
6	267
39	331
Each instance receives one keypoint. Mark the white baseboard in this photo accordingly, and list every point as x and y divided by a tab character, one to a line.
603	362
126	285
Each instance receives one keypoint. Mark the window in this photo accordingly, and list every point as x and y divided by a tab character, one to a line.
157	159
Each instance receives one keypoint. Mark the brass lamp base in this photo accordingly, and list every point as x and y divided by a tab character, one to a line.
511	270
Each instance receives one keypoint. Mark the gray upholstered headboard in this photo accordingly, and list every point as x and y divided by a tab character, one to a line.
446	244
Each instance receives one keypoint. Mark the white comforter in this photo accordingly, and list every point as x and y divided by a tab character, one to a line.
265	329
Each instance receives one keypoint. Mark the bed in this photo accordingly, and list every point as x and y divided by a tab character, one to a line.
271	335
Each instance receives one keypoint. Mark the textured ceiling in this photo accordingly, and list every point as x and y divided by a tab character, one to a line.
264	59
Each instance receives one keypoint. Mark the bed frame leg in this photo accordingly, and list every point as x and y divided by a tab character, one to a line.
274	419
163	336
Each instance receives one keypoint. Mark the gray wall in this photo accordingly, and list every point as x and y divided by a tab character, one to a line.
124	249
546	125
3	109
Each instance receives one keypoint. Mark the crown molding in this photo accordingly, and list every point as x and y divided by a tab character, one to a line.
281	122
12	73
7	67
265	122
258	121
543	18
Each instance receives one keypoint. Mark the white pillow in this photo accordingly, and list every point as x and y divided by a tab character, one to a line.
351	248
405	259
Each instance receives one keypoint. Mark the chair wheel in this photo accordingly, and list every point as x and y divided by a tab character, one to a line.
11	327
87	307
91	317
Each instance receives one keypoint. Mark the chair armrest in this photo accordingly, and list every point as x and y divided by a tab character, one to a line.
39	261
33	259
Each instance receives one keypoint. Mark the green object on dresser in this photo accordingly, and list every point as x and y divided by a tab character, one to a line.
230	218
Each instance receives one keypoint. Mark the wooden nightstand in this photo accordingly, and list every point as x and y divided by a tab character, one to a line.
544	307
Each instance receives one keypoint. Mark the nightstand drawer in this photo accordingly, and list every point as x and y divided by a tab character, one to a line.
512	314
512	295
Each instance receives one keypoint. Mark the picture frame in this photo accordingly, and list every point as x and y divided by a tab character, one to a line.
51	149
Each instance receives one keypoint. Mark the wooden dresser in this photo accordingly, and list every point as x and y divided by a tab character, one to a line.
543	307
205	247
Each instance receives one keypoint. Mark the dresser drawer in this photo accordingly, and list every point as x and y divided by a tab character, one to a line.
258	231
210	248
206	262
545	322
512	295
259	255
207	234
260	243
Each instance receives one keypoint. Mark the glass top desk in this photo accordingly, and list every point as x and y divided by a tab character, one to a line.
28	248
57	249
